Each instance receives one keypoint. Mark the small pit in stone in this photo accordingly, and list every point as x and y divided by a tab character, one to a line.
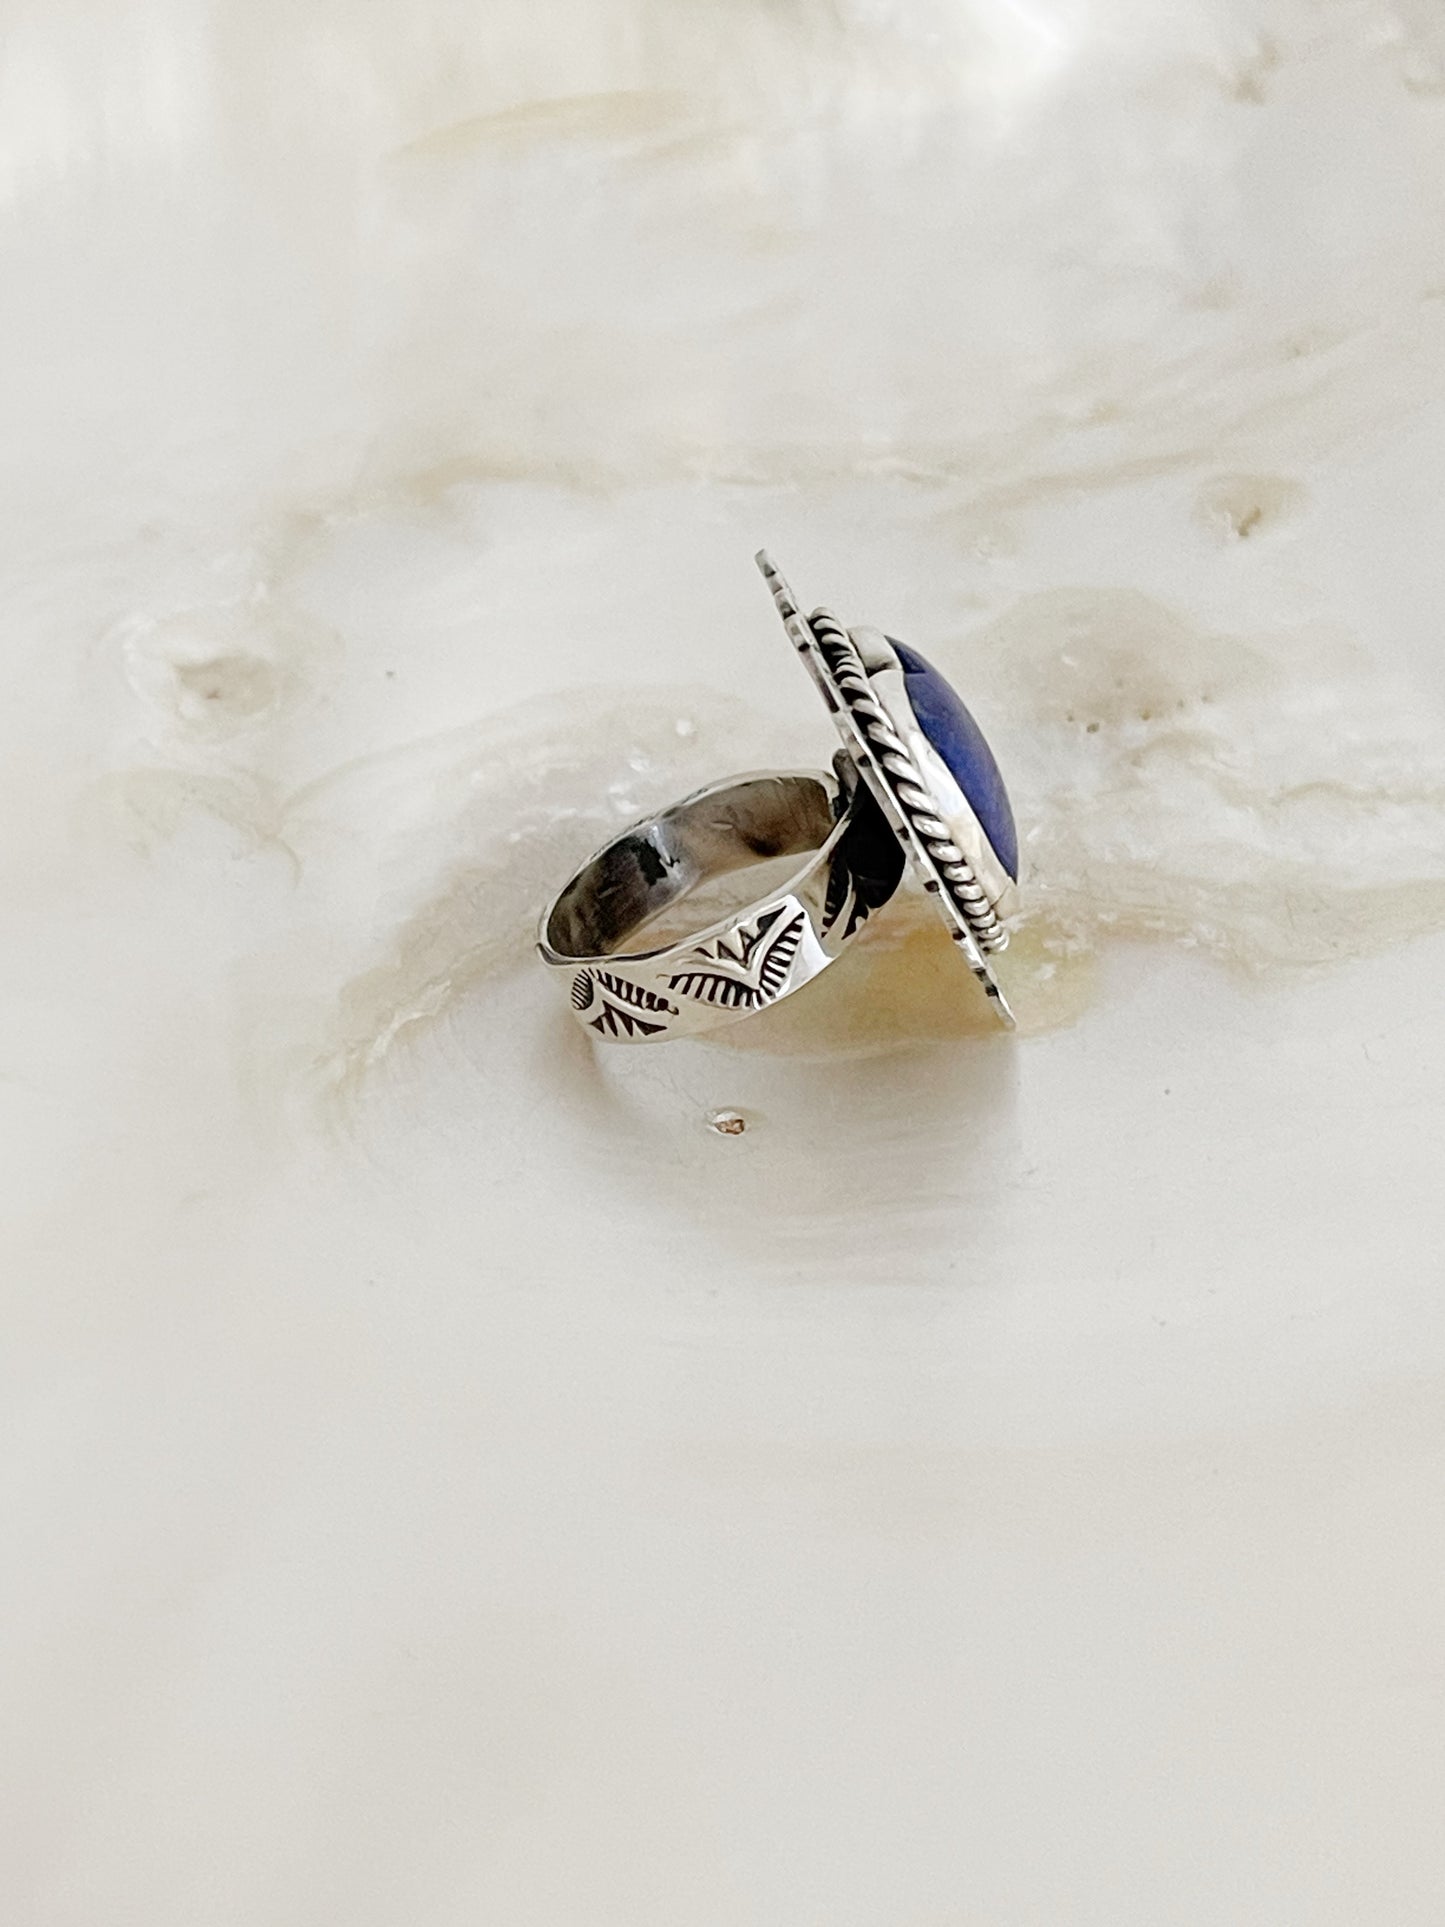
237	685
1235	508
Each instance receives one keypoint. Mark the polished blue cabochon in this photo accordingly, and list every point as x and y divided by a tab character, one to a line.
960	742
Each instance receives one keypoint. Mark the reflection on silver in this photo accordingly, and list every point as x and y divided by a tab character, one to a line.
746	961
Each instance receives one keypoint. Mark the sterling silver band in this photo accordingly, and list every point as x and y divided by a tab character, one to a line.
749	959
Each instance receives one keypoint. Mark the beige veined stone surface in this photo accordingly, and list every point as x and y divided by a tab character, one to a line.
447	1476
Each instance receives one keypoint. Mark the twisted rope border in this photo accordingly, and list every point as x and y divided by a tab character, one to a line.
914	798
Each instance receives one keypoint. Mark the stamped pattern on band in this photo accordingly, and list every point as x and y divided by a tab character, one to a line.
619	1004
859	880
842	900
748	967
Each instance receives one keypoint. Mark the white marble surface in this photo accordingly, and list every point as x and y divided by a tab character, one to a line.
442	1481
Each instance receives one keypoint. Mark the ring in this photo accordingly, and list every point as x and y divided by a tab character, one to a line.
928	766
750	958
916	783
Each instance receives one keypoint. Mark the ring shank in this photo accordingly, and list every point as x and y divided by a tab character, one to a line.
655	864
627	990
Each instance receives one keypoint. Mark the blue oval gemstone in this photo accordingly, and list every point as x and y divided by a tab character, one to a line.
960	742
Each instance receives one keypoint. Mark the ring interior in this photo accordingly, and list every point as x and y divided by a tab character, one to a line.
655	864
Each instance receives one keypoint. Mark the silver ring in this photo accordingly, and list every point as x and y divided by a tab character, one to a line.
929	768
916	783
755	956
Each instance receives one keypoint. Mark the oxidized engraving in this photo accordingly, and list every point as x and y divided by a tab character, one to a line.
746	968
620	1004
864	872
616	1020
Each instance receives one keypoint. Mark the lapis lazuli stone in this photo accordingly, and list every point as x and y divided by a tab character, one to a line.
960	742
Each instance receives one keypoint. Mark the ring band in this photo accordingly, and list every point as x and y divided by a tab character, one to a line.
753	957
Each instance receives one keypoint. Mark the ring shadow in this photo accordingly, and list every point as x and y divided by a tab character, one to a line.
875	1126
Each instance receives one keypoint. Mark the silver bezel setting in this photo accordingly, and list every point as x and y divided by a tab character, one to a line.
861	680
